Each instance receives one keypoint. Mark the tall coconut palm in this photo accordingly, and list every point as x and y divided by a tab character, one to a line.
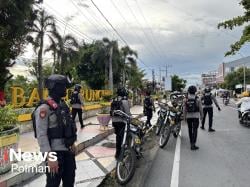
43	26
67	53
127	55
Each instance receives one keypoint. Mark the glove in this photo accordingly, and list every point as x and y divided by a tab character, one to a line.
219	109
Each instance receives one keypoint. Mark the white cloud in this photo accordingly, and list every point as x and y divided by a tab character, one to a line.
185	32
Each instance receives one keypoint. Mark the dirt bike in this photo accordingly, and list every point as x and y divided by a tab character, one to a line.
161	117
131	148
172	124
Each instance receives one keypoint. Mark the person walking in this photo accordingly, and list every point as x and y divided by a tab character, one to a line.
119	103
148	107
192	112
207	102
55	131
77	104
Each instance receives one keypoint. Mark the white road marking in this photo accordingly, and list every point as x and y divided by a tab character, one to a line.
176	165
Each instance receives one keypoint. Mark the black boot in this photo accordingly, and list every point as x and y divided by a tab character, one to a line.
211	130
202	127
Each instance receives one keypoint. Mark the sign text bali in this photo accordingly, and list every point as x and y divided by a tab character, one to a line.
18	98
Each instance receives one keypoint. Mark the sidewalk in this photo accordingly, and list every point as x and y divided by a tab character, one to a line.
93	161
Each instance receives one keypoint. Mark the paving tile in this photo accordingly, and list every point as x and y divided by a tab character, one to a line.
105	162
87	169
100	151
82	156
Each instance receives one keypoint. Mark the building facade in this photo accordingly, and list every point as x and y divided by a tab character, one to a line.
209	79
229	67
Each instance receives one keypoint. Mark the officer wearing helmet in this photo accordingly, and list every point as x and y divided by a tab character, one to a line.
117	122
56	132
77	104
207	102
148	107
192	111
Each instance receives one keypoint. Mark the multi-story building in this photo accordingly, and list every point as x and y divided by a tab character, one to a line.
209	79
229	67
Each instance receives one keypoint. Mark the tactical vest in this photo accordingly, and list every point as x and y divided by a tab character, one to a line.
66	127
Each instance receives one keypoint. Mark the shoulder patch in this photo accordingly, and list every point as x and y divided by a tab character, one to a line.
43	113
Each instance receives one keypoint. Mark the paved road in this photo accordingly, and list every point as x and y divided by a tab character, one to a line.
223	159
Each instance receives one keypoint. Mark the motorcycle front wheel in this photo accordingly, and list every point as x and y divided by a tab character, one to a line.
125	167
158	126
177	130
165	134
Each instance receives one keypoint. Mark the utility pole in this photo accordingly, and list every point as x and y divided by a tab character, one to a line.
111	69
160	78
167	66
153	79
244	70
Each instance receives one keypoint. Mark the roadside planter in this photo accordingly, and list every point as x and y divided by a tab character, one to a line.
104	118
9	136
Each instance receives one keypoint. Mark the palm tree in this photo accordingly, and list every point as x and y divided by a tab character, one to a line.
131	56
67	52
44	25
112	47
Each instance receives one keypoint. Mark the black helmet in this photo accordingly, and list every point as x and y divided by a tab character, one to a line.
52	80
123	92
207	90
78	87
192	89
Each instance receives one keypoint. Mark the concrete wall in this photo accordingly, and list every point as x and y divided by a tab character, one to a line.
27	126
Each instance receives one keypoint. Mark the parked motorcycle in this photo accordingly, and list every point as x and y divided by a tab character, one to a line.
244	113
131	149
172	124
161	117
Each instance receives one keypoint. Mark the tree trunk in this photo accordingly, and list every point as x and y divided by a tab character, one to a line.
39	67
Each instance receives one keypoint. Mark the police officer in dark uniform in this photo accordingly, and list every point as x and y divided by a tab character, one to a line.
148	107
118	122
56	131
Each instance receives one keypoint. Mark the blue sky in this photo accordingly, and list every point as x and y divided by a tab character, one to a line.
180	33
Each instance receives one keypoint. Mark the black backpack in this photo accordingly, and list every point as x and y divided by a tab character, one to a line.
116	104
207	99
148	103
74	99
192	105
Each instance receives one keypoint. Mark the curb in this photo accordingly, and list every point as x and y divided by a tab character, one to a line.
17	178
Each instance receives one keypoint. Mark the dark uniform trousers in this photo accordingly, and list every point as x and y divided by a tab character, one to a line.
208	110
149	114
119	131
79	112
66	173
193	124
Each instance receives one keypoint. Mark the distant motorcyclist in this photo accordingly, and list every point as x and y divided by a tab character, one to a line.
207	102
226	95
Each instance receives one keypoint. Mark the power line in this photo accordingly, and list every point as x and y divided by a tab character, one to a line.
138	36
64	22
145	34
150	29
92	23
109	23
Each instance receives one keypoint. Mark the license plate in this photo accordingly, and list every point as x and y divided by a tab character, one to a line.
137	141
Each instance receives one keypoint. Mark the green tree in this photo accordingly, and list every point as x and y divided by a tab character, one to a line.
236	22
236	77
178	83
43	26
16	19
